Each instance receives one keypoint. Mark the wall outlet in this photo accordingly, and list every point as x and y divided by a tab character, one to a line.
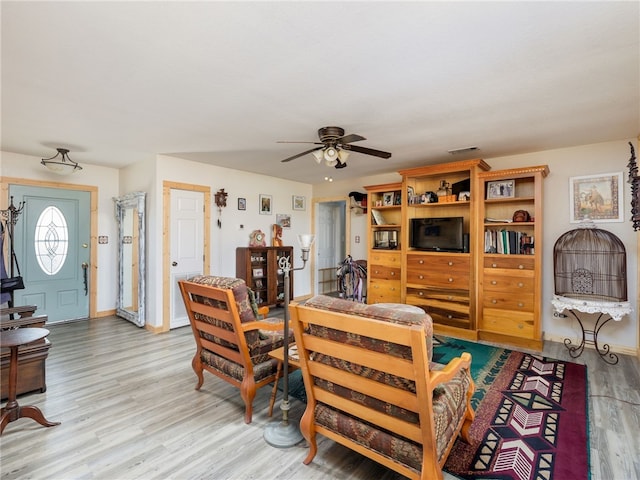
357	238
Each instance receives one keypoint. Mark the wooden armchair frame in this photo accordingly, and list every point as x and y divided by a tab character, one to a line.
421	434
219	318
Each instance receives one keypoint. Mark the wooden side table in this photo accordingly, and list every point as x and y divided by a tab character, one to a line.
294	364
13	339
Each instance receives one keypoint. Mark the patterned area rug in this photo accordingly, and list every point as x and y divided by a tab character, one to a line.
531	415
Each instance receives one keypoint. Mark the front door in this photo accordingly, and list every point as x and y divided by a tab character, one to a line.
52	244
187	247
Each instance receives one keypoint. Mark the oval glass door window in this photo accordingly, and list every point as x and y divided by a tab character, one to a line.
51	240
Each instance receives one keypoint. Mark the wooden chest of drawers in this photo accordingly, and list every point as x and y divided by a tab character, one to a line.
383	272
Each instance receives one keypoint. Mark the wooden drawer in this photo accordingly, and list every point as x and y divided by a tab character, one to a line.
384	272
439	263
506	301
510	262
449	317
507	322
454	280
442	297
384	291
517	284
387	259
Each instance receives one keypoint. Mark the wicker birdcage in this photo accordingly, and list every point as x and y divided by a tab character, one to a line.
591	264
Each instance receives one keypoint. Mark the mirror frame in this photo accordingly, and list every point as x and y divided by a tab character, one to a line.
129	202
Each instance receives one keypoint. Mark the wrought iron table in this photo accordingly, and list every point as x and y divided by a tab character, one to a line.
607	311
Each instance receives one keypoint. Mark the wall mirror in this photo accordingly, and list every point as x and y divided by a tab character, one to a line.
130	213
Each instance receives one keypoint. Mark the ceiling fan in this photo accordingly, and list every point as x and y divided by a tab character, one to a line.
335	147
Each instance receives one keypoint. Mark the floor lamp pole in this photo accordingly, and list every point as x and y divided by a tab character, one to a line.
286	433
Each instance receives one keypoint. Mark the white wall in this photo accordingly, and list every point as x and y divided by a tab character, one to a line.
563	163
15	165
226	239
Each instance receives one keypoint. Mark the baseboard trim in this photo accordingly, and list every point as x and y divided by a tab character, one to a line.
621	349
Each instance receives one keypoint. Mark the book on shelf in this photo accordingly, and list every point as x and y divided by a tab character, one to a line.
508	242
377	217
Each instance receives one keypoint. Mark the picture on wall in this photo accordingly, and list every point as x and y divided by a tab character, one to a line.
596	197
298	202
283	219
265	204
242	203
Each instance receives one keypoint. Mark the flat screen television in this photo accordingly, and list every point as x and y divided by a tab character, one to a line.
437	234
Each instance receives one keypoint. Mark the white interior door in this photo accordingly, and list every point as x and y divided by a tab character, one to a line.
187	247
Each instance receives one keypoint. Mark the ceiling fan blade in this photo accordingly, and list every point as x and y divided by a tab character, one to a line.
285	141
301	154
351	138
367	151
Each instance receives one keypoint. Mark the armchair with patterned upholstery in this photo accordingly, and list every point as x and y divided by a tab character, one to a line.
231	342
371	385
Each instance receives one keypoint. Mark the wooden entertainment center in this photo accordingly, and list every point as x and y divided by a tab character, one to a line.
481	283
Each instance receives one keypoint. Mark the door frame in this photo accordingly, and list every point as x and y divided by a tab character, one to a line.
314	226
5	182
167	186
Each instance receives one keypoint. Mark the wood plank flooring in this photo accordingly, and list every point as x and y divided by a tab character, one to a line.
129	410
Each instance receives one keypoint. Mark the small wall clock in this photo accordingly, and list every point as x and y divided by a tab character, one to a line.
257	238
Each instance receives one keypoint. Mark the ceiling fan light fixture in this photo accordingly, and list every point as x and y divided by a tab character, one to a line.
343	155
60	163
318	155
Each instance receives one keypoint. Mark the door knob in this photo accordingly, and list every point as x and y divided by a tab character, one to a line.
174	264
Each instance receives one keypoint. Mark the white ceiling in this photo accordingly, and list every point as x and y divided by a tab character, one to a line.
222	82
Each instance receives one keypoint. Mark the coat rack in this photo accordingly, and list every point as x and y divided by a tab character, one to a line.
10	218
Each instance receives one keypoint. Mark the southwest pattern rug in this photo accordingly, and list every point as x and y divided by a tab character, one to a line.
531	415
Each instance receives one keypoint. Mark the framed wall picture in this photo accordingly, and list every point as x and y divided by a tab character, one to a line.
299	202
283	219
387	199
501	189
596	197
242	203
265	204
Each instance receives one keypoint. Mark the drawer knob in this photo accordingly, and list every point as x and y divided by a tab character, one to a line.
449	297
520	304
449	316
421	262
393	289
493	282
376	286
494	301
450	264
520	326
450	279
520	267
377	271
393	273
420	294
420	277
494	265
520	284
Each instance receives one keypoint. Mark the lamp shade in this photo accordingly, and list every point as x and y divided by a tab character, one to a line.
331	156
343	155
306	240
318	155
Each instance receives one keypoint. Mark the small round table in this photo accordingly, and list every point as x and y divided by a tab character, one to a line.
14	339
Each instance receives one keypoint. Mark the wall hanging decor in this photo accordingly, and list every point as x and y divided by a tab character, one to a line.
265	204
221	202
596	197
634	180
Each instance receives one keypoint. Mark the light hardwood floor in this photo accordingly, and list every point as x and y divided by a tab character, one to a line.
129	410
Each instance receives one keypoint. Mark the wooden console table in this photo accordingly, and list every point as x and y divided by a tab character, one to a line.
31	358
13	339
